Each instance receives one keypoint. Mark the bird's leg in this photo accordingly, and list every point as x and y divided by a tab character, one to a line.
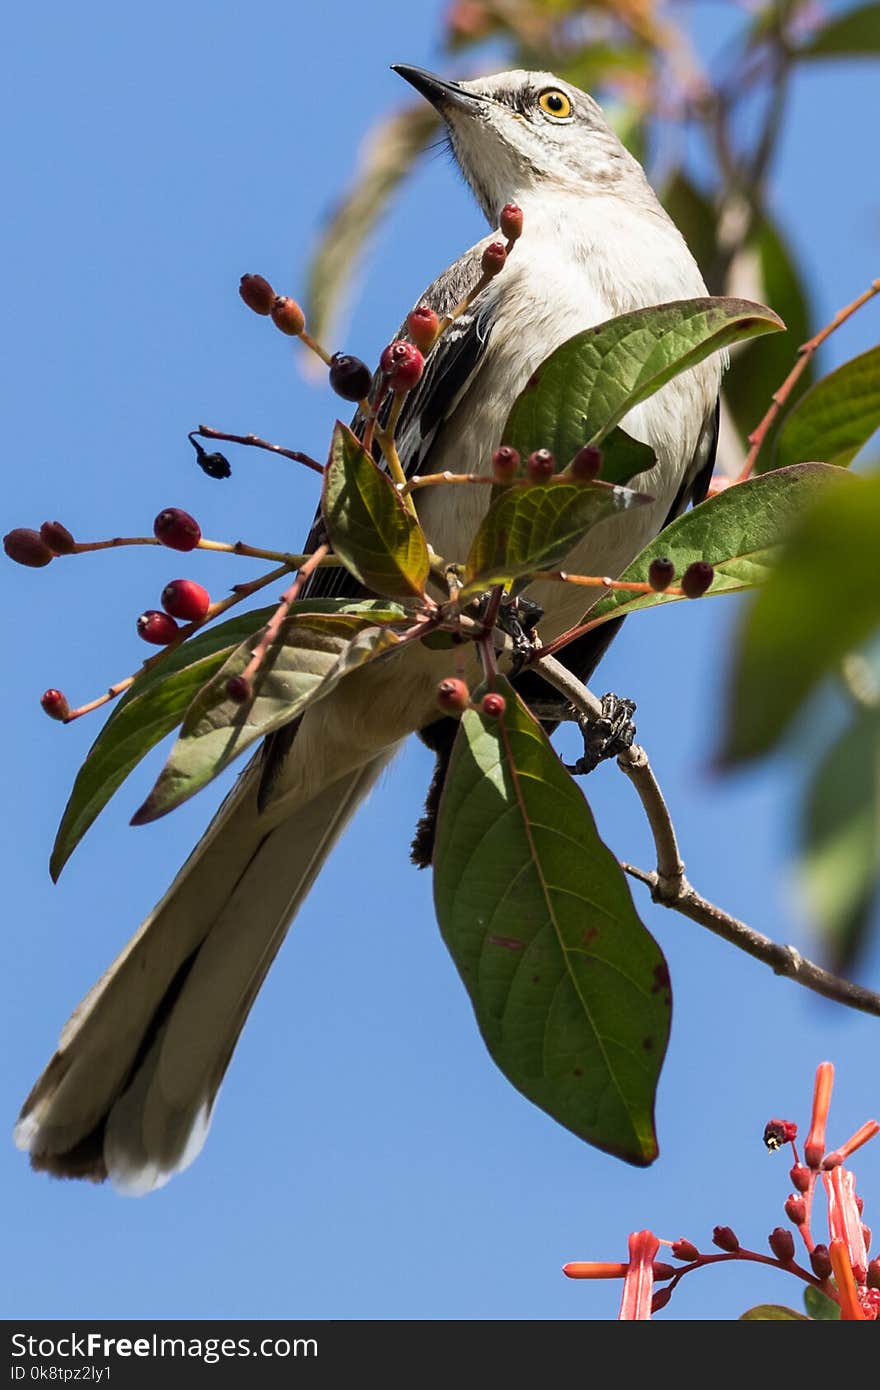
518	618
606	737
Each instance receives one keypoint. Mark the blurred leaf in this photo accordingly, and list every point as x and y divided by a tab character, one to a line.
772	1312
588	384
570	991
819	1306
840	840
854	34
370	529
390	153
821	601
759	368
313	652
738	531
836	418
695	217
151	708
534	526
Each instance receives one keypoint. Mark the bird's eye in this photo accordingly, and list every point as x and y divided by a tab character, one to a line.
555	103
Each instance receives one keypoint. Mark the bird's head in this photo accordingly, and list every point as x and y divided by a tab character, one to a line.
517	133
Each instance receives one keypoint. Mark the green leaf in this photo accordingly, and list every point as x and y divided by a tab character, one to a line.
570	992
391	149
313	652
148	711
738	532
588	384
772	1312
821	601
854	34
533	526
758	368
369	527
819	1306
840	840
835	419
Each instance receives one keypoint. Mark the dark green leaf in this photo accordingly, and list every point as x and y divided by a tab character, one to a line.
533	527
369	527
772	1312
738	532
589	383
854	34
758	368
835	419
840	841
821	601
148	711
819	1306
570	992
313	652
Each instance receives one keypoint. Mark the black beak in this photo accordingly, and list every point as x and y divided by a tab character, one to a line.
445	96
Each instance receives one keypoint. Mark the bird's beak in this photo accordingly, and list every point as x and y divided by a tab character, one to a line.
445	96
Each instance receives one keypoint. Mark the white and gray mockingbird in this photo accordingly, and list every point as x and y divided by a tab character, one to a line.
129	1092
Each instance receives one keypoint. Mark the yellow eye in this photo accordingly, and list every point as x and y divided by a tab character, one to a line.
555	103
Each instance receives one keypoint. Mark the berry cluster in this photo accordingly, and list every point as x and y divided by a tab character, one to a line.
453	697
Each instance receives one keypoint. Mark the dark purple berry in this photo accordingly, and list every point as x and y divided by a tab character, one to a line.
239	689
257	293
696	579
661	573
349	376
586	464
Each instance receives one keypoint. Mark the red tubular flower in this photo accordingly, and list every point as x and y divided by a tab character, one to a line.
847	1293
844	1221
814	1148
638	1283
855	1141
594	1269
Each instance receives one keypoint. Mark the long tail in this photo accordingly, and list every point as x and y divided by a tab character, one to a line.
129	1092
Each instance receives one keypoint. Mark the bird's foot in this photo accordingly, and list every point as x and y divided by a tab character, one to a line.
606	737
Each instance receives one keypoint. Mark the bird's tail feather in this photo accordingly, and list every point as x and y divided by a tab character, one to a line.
130	1090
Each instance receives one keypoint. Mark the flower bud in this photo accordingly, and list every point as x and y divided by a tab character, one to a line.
257	293
350	378
505	464
493	706
781	1242
540	466
423	325
661	573
800	1177
796	1209
57	537
662	1270
872	1278
55	704
402	364
685	1250
820	1261
586	464
494	258
511	221
659	1299
453	696
239	690
724	1238
696	579
27	547
288	316
779	1132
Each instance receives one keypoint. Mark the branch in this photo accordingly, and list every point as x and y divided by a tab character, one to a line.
669	885
255	442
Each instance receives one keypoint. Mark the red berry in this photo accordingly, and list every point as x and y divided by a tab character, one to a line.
511	221
493	706
800	1177
349	376
57	537
423	325
402	364
27	547
724	1237
782	1244
685	1250
239	689
185	599
820	1262
586	464
453	696
661	573
494	258
177	529
540	466
55	704
697	579
157	628
288	316
257	293
796	1208
505	464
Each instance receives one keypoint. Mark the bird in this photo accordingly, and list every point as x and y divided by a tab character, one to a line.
130	1090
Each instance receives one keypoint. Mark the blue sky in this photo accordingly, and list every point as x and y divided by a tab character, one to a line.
366	1159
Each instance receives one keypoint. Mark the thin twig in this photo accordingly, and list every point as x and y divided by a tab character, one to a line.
273	627
256	442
